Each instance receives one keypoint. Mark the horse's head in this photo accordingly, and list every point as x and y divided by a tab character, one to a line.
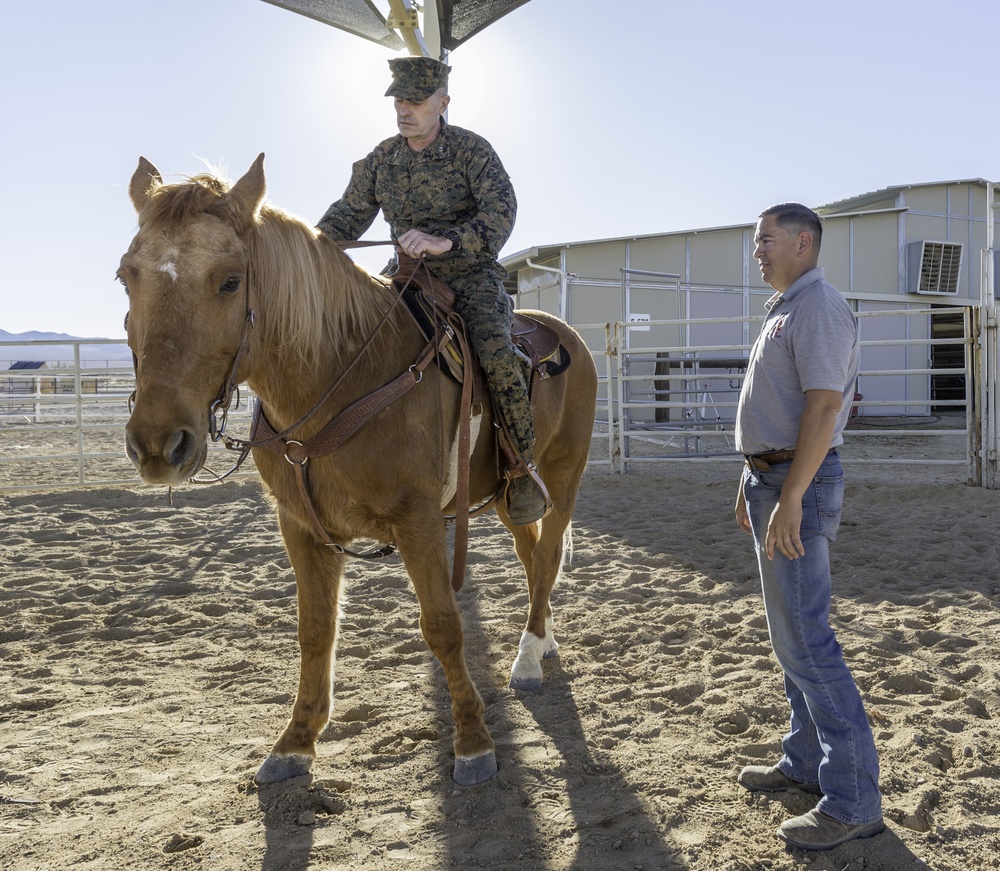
186	276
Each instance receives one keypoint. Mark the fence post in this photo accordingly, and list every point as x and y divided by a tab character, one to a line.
614	385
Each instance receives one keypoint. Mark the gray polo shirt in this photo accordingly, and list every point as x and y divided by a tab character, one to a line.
809	341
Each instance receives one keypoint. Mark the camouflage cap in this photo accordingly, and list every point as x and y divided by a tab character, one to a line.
416	78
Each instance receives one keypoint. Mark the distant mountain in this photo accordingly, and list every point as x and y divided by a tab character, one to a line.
93	352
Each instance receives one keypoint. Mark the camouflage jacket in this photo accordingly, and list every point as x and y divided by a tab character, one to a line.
456	183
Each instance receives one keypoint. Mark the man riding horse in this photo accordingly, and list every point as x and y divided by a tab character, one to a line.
449	201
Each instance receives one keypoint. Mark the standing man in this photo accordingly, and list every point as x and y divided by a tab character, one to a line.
448	199
793	407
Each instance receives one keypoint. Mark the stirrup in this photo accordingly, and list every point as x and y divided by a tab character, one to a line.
524	469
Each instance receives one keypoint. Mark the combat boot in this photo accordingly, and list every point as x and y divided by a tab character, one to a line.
526	501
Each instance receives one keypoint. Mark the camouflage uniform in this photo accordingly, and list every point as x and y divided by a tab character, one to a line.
457	188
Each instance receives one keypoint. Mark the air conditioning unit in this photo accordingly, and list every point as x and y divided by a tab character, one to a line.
933	267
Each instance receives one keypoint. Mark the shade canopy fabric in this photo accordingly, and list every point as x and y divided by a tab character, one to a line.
459	20
462	19
359	17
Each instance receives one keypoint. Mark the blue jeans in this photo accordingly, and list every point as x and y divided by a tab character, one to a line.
829	741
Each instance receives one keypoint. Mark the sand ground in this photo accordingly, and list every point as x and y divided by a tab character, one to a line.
149	659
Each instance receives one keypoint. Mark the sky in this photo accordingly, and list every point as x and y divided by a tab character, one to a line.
613	118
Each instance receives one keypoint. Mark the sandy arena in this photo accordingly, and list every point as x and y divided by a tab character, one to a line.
150	659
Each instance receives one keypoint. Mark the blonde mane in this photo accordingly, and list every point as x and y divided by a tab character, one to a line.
310	292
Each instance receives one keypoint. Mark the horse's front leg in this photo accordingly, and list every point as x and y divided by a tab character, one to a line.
422	546
318	572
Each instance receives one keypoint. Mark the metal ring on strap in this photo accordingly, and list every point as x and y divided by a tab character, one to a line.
288	459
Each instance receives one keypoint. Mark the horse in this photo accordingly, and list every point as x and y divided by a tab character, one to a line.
225	288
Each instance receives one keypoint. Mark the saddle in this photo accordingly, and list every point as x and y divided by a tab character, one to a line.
431	301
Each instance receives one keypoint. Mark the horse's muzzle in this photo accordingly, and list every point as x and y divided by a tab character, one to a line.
170	459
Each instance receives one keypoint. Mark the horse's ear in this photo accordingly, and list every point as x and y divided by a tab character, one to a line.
245	197
144	179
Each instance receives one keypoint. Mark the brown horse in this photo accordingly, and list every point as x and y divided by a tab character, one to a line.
224	288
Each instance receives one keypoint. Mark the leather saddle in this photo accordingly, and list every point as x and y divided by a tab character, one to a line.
432	301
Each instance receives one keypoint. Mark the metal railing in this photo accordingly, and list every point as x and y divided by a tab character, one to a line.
678	402
62	423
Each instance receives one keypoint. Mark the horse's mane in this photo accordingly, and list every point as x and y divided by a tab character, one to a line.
314	292
307	292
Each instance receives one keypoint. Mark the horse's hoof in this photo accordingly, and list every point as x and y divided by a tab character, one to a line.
470	770
526	684
280	768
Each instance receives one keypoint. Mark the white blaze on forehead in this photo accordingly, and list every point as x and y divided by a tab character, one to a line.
170	268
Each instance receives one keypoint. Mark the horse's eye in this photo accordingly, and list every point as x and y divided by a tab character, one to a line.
123	283
230	285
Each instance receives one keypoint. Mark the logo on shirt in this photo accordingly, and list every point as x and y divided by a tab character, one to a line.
777	325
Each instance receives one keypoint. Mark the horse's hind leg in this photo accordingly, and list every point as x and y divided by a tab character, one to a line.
541	554
318	572
422	546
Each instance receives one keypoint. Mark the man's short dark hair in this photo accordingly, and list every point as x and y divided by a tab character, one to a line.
796	218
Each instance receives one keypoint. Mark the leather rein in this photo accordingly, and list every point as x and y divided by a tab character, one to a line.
342	426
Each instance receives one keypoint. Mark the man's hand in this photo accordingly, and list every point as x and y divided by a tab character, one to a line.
742	518
416	243
783	529
815	433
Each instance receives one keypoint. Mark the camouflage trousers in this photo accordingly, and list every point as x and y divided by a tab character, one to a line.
488	314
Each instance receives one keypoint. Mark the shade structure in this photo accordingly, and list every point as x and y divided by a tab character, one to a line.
458	20
462	19
359	17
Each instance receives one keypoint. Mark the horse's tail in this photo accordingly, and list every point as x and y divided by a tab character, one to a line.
567	551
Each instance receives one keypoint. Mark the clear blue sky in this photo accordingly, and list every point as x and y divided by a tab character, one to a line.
613	118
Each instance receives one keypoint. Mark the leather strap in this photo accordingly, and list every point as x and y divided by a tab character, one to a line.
464	462
763	462
336	432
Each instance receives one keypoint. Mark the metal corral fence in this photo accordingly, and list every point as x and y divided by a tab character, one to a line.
63	415
62	425
678	401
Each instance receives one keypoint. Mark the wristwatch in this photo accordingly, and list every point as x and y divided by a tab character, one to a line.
453	237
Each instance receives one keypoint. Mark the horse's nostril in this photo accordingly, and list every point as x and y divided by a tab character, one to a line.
132	450
178	448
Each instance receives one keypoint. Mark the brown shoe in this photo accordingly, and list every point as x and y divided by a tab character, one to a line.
526	501
768	778
817	831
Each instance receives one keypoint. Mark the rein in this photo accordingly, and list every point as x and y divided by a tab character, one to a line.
343	425
217	430
335	432
220	408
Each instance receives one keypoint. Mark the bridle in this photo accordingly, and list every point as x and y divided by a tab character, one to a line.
218	411
334	433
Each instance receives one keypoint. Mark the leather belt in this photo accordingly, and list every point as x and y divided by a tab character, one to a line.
763	462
